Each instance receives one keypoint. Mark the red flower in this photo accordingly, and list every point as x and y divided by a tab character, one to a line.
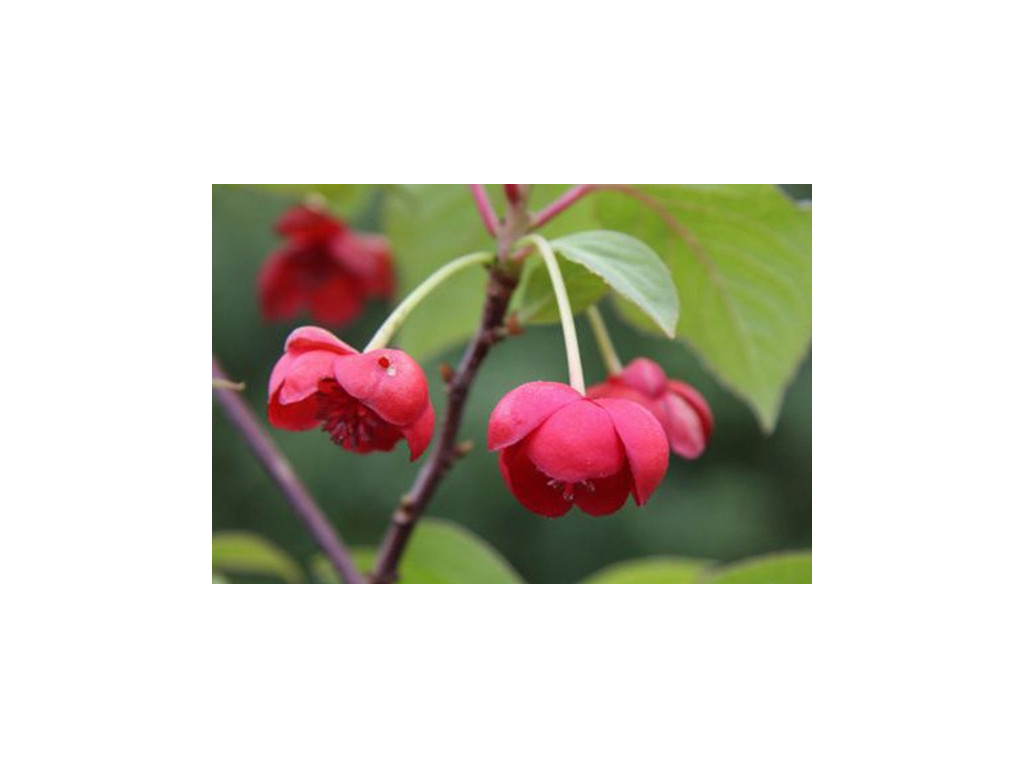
365	401
682	411
559	448
323	265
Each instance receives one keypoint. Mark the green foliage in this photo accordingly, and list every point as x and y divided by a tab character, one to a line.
429	225
780	568
247	553
535	302
740	257
651	570
439	552
628	266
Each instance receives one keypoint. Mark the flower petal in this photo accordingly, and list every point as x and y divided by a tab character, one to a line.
697	402
419	434
523	409
388	381
608	496
644	442
682	425
367	258
305	374
336	300
296	416
309	337
281	293
646	376
307	224
578	442
529	485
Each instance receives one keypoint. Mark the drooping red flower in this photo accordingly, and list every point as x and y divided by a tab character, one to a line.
559	448
682	411
364	401
323	266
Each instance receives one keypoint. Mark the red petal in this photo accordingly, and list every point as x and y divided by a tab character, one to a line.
523	409
682	425
281	295
337	300
309	337
530	486
608	496
367	258
646	376
419	434
308	224
697	402
644	441
297	416
304	375
388	381
578	442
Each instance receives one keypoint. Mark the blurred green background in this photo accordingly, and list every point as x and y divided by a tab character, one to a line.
748	494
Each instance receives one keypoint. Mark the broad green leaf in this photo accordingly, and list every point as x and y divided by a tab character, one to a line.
535	299
323	572
630	268
780	568
242	552
740	257
431	224
651	570
439	552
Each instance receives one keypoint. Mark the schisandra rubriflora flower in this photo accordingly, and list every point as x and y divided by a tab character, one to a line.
559	448
681	410
365	401
323	266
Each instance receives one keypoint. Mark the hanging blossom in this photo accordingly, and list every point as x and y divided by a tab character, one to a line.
363	401
680	409
559	448
324	267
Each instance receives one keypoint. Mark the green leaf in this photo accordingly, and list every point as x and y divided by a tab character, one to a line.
220	578
241	552
439	552
629	267
740	257
431	224
780	568
535	299
443	552
651	570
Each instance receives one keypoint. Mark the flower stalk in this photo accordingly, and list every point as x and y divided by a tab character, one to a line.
409	303
572	345
612	363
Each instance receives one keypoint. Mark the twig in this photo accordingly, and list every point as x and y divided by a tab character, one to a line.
445	452
483	204
561	204
281	472
500	286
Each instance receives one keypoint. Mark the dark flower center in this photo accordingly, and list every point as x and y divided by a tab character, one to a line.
351	424
569	490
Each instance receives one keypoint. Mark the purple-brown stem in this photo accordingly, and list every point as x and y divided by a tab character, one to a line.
281	472
559	205
500	285
483	204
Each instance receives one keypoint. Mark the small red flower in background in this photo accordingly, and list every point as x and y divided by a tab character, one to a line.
324	266
559	448
364	401
681	410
